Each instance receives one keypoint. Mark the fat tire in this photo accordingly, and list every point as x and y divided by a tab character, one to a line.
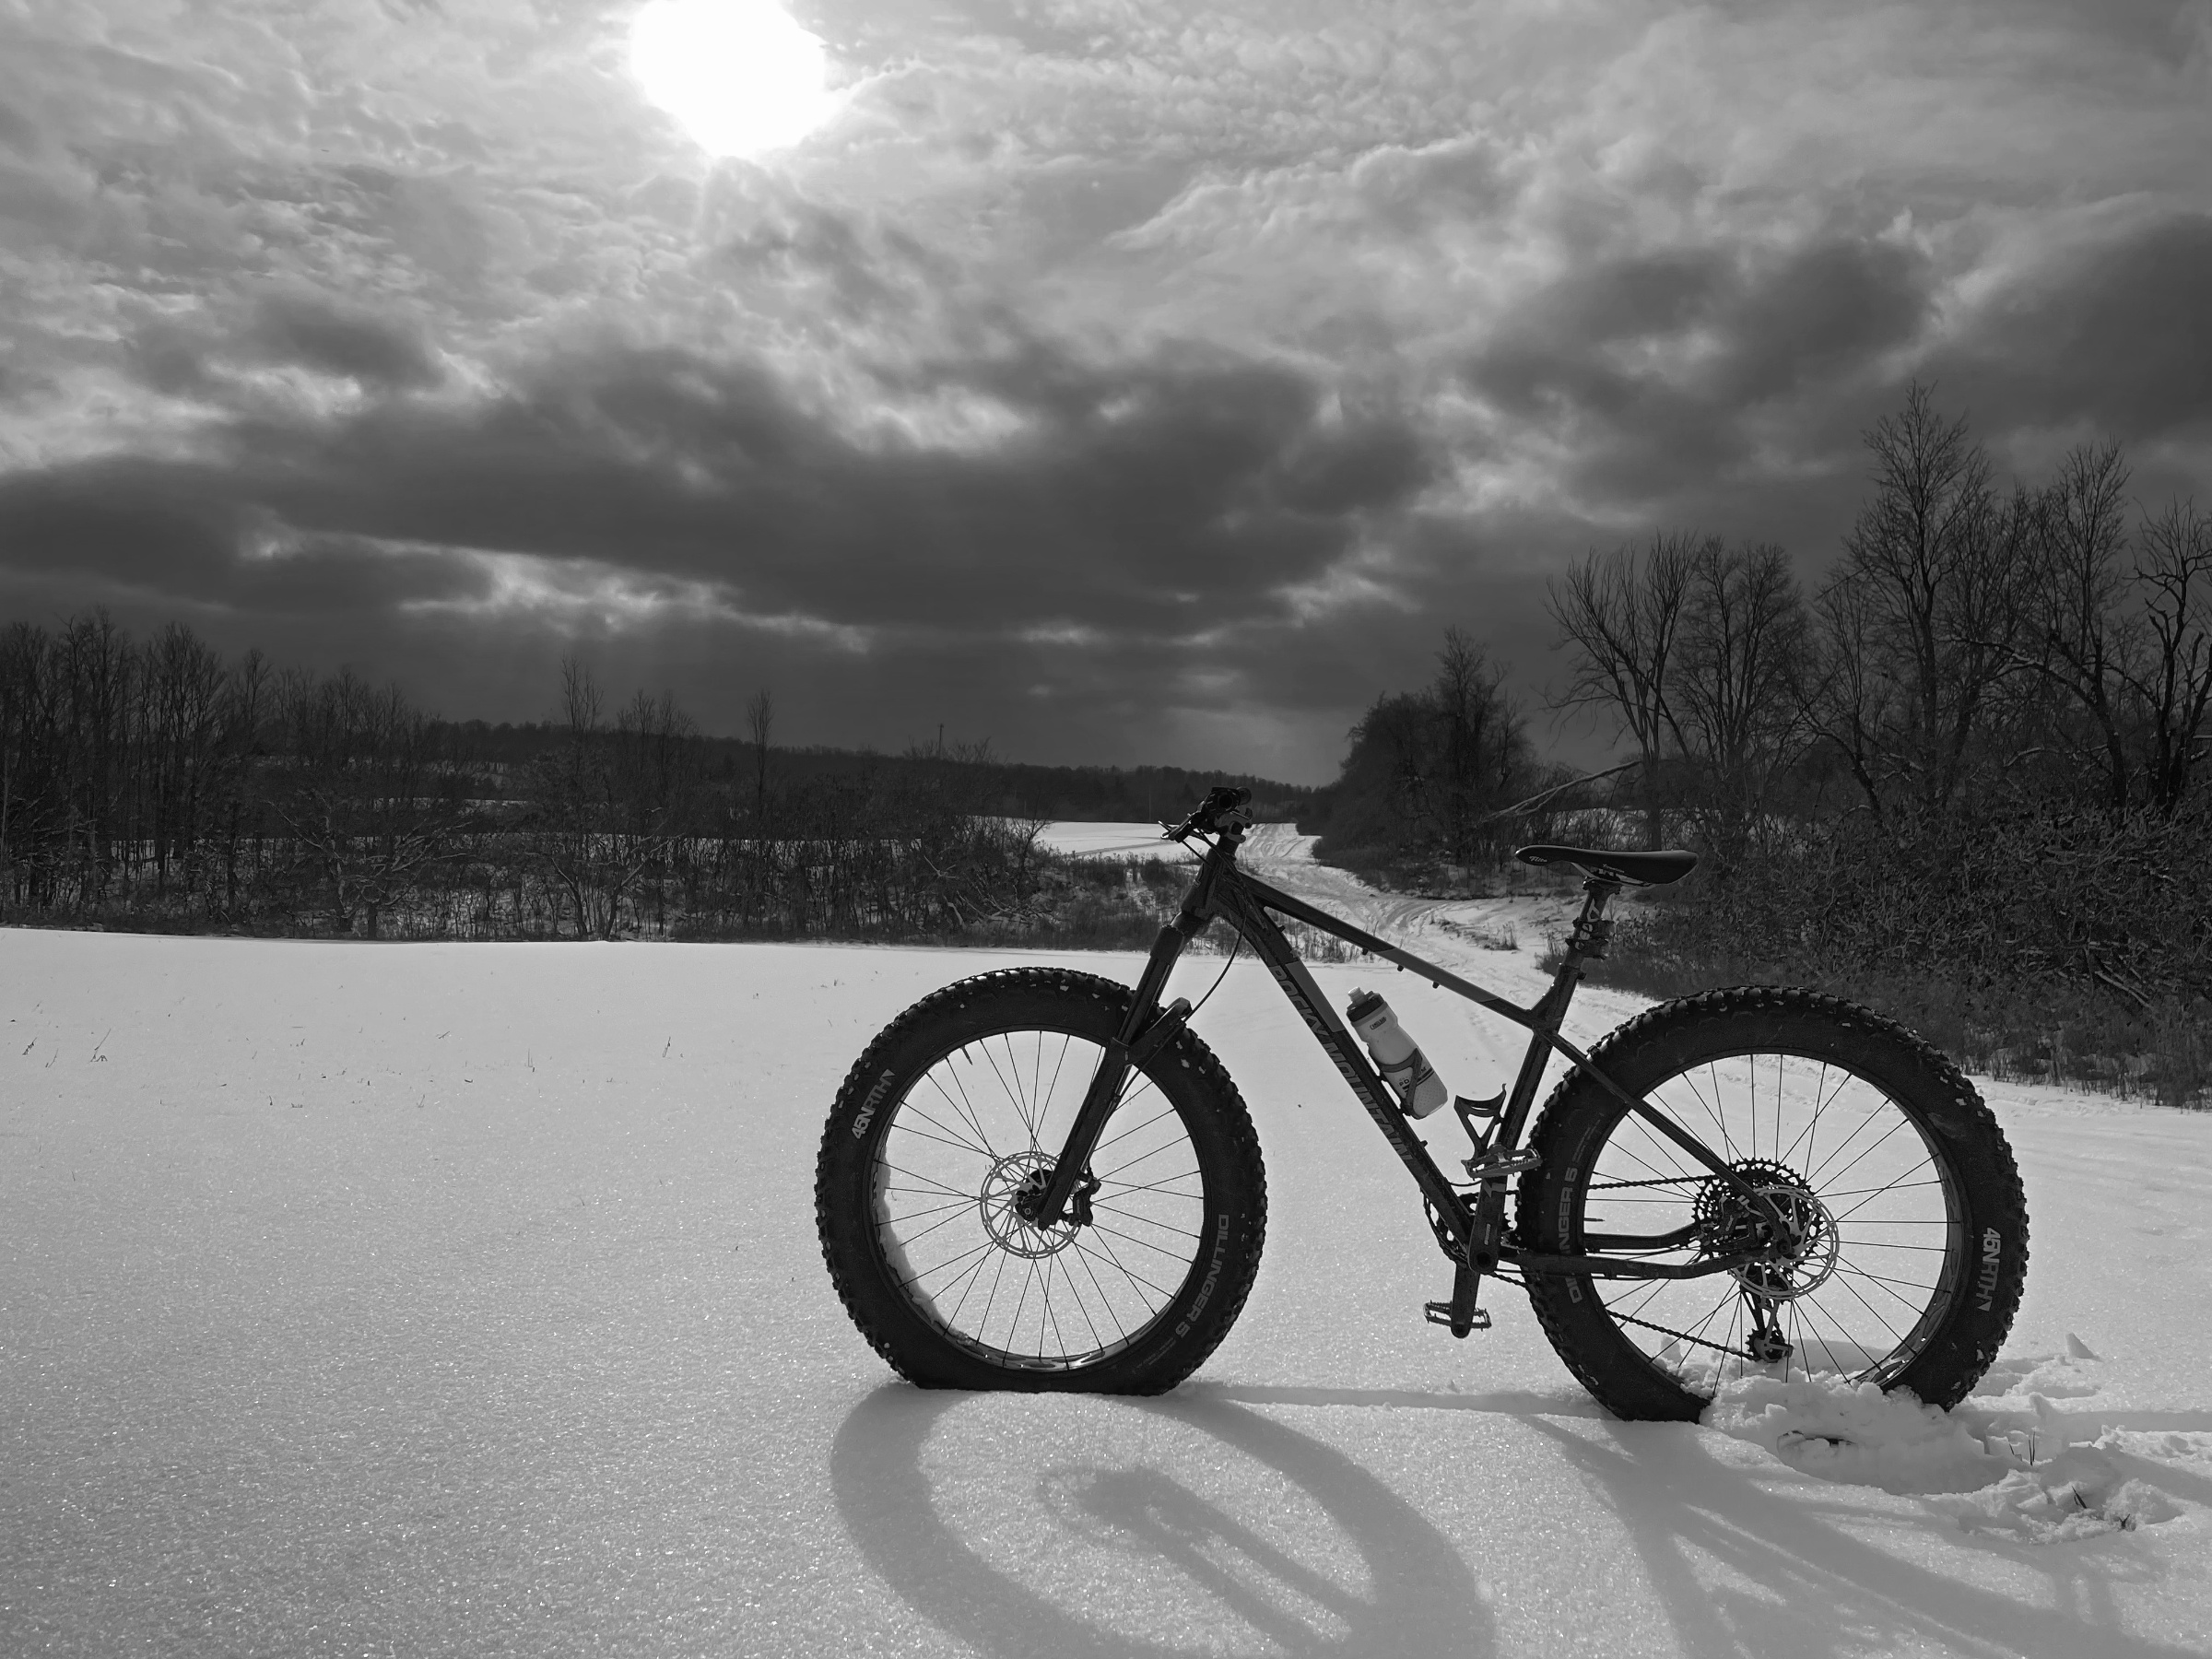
1983	1280
1203	1307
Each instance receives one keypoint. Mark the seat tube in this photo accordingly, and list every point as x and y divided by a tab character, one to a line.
1584	940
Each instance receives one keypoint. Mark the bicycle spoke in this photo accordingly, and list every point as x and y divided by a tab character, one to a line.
1152	1186
1812	1127
1012	1094
1164	1292
933	1185
950	1135
1133	1129
963	1108
957	1154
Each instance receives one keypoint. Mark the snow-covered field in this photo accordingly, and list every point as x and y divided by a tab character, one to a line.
1107	841
1141	841
465	1300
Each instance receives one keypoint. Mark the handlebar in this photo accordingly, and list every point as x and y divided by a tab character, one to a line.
1222	809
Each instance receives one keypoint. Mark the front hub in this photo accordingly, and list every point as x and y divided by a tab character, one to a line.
1012	1192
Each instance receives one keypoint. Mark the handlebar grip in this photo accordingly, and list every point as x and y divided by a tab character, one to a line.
1221	798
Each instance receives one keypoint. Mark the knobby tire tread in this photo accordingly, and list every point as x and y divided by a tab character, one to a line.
1944	1373
1150	1366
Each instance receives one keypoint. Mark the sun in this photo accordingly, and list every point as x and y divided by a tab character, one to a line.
740	77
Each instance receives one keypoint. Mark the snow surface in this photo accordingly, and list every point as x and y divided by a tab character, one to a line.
1140	839
1108	841
465	1300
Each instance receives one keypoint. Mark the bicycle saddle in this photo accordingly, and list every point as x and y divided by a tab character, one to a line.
1639	869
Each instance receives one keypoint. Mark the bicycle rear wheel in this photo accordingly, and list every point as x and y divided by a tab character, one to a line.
1911	1229
961	1105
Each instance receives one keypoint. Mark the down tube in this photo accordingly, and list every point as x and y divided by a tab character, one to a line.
1272	947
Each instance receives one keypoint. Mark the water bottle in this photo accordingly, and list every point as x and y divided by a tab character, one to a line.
1400	1060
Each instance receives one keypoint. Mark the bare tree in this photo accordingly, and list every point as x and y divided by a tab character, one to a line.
567	790
371	794
1926	612
30	812
94	666
1428	770
1737	678
760	721
1483	749
248	698
182	745
2170	679
611	802
1622	612
2076	642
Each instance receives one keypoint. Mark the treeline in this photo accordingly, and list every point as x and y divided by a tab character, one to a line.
1430	779
1009	788
1963	779
2051	643
157	784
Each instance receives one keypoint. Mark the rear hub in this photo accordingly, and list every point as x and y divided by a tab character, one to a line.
1794	1233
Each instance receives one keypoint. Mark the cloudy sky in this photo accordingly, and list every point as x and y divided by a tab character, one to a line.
1120	381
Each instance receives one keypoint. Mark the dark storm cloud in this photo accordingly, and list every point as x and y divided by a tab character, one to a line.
1129	495
1656	366
130	522
1156	499
17	133
160	531
295	328
1088	365
340	339
2119	333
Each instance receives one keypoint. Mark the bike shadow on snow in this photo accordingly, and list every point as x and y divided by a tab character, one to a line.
1827	1590
1419	1596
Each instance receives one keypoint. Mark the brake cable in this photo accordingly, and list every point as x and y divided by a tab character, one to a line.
1217	979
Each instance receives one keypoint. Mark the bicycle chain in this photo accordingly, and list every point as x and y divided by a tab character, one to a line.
1717	1348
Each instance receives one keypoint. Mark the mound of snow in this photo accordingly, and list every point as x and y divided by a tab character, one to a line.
1856	1434
1990	1468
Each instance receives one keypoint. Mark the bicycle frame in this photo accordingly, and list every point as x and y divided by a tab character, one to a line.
1470	1226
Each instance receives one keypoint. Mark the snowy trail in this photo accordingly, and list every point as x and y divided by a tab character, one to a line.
465	1300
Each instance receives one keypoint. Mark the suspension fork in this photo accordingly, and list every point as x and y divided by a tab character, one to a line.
1144	1031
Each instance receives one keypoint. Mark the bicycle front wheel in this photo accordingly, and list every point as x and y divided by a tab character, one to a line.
961	1106
1909	1230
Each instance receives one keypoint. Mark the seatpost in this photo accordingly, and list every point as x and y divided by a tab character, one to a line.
1587	941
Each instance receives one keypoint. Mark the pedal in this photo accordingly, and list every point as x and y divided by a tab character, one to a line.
1441	1313
1497	1169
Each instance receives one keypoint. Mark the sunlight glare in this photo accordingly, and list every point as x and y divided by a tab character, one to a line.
740	77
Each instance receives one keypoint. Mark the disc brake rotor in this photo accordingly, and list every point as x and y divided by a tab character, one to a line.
1729	1224
1010	1178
